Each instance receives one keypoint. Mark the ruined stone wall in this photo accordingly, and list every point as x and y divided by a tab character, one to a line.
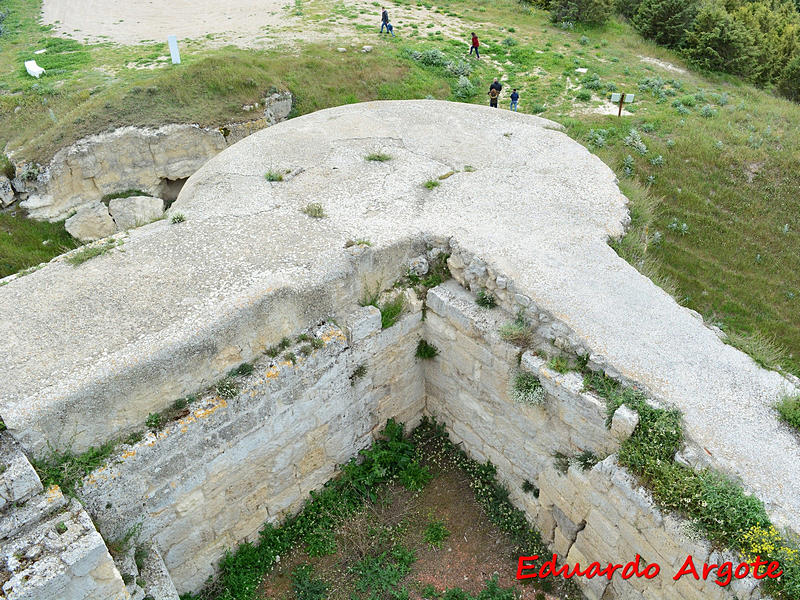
210	480
49	547
597	515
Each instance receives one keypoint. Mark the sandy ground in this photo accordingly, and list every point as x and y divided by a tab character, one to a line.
134	21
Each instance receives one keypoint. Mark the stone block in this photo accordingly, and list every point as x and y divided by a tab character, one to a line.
135	211
18	479
624	422
363	323
91	222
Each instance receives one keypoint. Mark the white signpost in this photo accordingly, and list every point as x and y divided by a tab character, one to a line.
173	49
618	98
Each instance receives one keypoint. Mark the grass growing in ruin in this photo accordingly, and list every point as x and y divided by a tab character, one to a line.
66	469
92	251
362	535
717	506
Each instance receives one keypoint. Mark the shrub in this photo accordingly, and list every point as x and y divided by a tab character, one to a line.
789	411
583	96
273	176
591	12
665	21
484	299
460	68
707	112
526	388
717	42
464	88
177	218
153	421
378	157
314	210
559	364
518	332
426	351
431	183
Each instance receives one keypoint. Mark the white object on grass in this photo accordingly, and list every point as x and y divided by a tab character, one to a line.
173	49
42	51
33	69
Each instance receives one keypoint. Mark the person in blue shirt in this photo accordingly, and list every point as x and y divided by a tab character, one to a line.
514	100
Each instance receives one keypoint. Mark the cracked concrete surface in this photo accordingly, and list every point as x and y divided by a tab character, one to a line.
538	207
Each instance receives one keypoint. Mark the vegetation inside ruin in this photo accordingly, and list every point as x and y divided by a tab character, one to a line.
426	350
485	299
714	504
91	251
389	525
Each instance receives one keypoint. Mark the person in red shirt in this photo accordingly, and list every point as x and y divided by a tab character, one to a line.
475	44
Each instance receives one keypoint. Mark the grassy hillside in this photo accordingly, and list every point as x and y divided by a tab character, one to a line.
709	162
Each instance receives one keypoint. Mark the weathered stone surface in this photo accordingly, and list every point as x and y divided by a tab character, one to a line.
135	211
18	480
125	159
6	192
624	422
91	222
60	555
363	323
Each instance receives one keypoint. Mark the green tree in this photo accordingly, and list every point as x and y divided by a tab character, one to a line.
665	21
775	25
717	42
789	82
591	12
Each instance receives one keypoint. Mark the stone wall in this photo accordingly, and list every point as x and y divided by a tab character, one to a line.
597	515
49	547
210	480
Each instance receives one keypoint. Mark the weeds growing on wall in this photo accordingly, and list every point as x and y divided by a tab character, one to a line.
716	505
485	299
426	351
66	469
526	388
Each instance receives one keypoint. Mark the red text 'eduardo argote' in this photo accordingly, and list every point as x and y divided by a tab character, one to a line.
722	573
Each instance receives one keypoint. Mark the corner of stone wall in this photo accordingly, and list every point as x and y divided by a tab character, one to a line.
49	547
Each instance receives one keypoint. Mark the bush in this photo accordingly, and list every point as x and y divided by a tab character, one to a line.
719	43
583	96
464	88
664	21
627	8
591	12
484	299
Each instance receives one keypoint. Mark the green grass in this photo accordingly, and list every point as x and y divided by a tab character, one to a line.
431	183
273	176
22	243
715	504
485	299
435	534
90	252
378	157
66	469
789	411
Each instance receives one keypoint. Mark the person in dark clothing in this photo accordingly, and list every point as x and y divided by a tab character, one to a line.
496	85
514	100
475	44
494	94
385	19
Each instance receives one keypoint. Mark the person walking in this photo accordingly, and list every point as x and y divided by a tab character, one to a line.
385	19
475	45
514	100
